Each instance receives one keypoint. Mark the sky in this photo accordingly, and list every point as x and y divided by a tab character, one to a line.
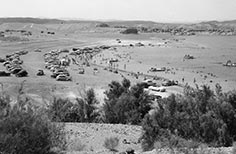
152	10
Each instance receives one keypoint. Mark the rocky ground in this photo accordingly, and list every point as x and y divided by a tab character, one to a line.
92	136
84	138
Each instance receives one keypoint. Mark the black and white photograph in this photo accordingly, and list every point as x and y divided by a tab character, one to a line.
118	77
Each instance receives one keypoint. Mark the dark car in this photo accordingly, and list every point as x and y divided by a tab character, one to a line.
2	60
40	73
16	70
22	73
3	73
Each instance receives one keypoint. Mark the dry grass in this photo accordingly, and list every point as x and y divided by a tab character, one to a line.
76	145
193	151
202	149
111	143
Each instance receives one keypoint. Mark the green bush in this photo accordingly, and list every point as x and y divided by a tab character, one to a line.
61	110
83	110
200	115
125	104
130	31
26	130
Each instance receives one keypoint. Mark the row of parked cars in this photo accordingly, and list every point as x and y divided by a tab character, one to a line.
12	63
57	65
89	50
158	90
52	63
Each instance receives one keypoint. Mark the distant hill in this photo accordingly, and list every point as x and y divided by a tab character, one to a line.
112	22
208	27
30	20
220	22
231	22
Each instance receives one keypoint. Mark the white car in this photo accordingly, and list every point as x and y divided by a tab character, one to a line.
81	70
63	78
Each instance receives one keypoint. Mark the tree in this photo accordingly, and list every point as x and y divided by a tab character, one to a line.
83	110
199	115
27	129
88	104
125	104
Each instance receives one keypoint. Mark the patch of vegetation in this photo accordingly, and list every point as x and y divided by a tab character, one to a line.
130	31
13	39
111	143
25	129
200	115
83	110
181	123
126	104
102	25
76	145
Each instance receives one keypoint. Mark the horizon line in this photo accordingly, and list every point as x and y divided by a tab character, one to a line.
119	20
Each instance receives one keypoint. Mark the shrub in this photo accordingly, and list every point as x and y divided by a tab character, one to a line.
111	143
130	31
62	110
102	25
76	145
26	130
90	101
83	110
115	90
124	104
200	115
4	104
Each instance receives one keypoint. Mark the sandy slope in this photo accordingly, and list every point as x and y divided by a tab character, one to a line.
93	137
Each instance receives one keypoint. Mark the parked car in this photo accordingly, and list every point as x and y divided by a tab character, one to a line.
169	83
37	50
3	73
11	68
16	70
2	60
148	82
60	72
65	50
22	73
40	73
17	61
63	78
81	70
6	62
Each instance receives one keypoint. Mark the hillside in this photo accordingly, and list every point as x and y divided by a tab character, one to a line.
30	20
110	22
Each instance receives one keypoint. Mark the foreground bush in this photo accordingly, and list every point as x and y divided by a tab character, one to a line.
25	130
83	110
125	104
200	115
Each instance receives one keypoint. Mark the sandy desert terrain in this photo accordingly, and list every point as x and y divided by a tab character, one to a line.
135	55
